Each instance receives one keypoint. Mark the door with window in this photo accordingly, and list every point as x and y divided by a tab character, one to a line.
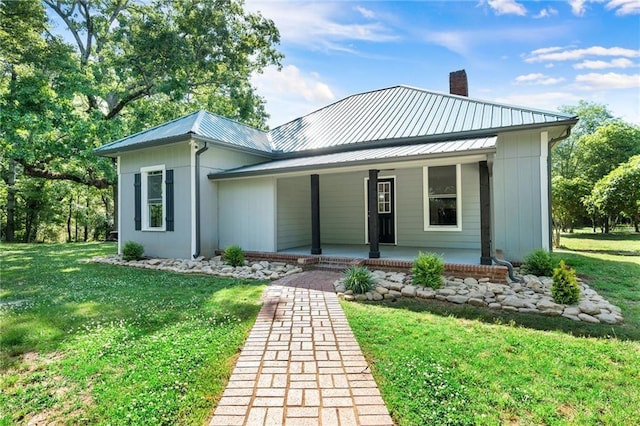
386	211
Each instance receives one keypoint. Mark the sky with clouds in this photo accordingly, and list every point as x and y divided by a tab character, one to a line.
541	54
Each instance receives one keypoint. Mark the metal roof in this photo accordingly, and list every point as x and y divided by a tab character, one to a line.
198	124
364	156
403	112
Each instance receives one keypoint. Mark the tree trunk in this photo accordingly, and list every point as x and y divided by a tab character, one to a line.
107	215
75	240
10	235
69	219
606	225
86	221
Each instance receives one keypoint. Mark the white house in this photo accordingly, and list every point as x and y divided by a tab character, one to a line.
396	167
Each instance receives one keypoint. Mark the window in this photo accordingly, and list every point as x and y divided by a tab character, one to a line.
153	204
384	197
442	198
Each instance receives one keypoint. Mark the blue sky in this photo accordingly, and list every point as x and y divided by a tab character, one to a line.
540	54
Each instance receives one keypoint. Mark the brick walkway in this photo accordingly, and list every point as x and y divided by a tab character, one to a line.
301	364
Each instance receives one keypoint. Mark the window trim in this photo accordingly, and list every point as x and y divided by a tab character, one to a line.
145	171
425	197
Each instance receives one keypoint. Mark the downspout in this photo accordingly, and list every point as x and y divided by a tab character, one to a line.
551	143
197	203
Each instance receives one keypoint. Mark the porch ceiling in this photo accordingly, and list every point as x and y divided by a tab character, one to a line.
365	156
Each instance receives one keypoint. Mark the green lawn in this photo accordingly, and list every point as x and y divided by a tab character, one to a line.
92	343
438	363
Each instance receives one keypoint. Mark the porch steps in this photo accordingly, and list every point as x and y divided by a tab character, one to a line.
336	264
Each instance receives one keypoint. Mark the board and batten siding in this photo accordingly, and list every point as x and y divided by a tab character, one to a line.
516	201
175	243
410	211
214	160
246	213
294	212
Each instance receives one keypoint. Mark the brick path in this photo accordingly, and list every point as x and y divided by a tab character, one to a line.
301	364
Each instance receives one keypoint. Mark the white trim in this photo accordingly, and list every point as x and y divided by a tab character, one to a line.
425	199
544	189
144	171
395	210
440	161
192	173
119	212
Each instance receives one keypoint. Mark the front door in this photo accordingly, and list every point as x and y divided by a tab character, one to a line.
386	211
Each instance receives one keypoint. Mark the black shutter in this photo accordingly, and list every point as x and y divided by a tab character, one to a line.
137	186
169	188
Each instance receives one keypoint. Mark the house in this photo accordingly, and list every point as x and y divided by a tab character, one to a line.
396	167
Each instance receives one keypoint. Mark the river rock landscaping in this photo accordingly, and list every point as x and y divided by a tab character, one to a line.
531	295
262	270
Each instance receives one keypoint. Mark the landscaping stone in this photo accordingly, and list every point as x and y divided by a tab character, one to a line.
607	318
382	290
457	299
589	308
426	294
408	291
588	318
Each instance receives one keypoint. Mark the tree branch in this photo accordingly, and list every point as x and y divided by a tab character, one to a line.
57	7
126	100
34	171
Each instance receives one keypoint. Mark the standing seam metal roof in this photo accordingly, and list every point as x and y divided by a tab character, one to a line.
395	113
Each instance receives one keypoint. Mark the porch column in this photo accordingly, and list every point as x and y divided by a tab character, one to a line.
485	215
315	215
372	198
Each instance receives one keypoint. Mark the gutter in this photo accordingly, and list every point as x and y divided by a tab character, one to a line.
551	144
197	183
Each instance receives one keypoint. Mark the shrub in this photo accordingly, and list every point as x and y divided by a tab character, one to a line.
358	279
427	270
132	251
538	263
565	288
234	255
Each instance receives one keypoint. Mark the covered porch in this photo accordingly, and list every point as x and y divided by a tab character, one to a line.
391	252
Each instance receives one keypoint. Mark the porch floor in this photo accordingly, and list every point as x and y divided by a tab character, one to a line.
458	256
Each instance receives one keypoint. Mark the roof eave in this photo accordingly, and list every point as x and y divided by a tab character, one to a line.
233	175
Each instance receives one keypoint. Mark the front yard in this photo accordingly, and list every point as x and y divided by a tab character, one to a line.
440	363
91	343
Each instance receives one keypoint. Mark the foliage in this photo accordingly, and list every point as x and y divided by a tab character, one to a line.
358	279
538	263
619	191
234	255
565	287
131	65
566	159
132	251
427	270
567	196
98	344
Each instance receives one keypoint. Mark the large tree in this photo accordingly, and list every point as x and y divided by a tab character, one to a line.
115	67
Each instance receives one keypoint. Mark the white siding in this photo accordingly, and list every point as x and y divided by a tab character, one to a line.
246	214
294	212
516	194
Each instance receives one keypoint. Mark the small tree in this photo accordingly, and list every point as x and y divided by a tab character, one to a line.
565	287
427	270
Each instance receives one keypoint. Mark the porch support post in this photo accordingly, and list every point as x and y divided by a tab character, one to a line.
372	198
315	215
485	215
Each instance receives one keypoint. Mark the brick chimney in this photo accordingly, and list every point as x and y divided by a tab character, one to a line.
458	83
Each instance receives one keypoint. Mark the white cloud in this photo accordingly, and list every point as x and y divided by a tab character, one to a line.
537	79
546	13
507	7
624	7
612	80
546	54
291	93
577	7
322	25
598	65
367	13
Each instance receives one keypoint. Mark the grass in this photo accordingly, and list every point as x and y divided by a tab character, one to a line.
438	363
93	343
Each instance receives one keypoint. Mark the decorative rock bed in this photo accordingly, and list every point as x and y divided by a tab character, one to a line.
533	295
262	270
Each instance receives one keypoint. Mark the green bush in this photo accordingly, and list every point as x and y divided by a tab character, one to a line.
132	251
233	255
358	279
427	270
538	263
565	288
